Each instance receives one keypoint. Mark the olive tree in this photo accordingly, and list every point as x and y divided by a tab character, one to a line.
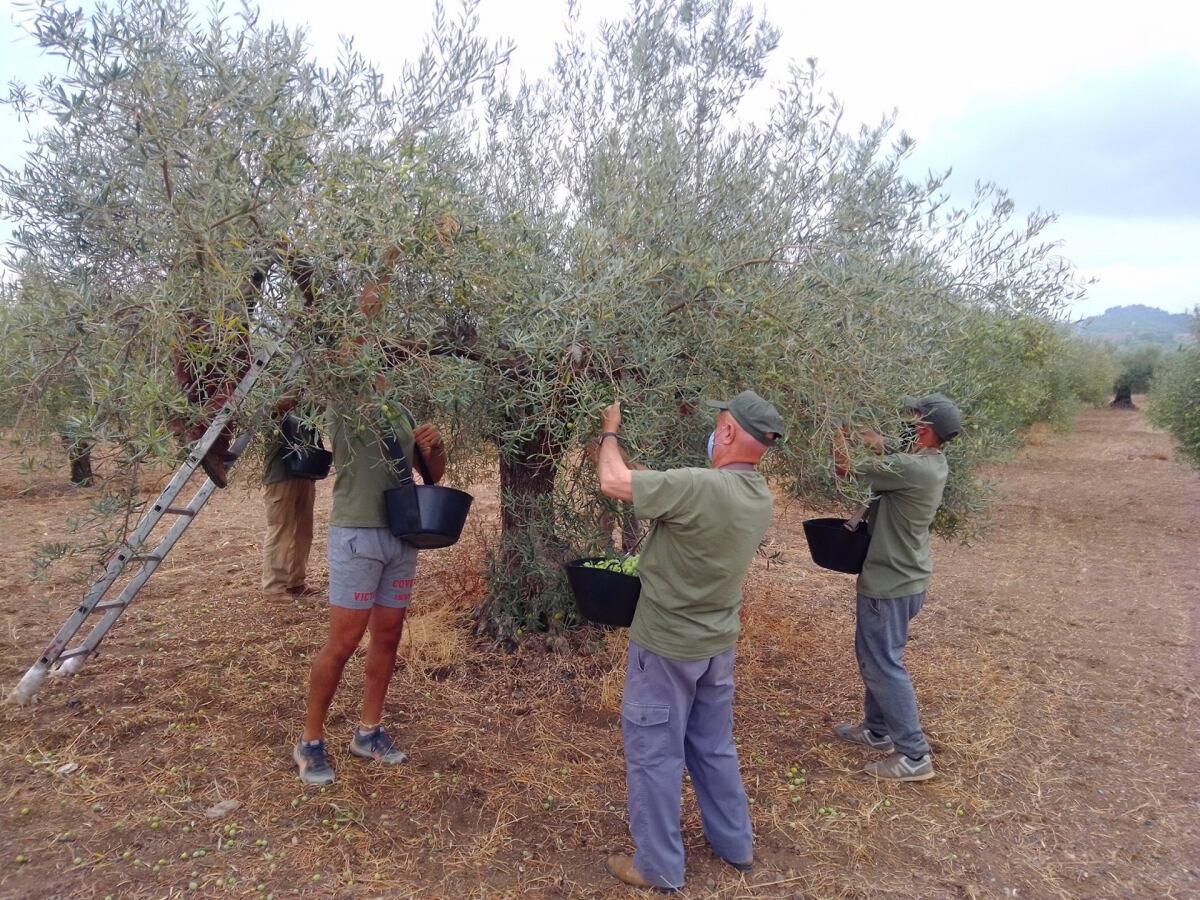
1136	368
190	180
1175	396
620	227
24	319
660	247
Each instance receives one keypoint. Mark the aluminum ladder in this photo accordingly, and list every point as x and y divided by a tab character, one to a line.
61	660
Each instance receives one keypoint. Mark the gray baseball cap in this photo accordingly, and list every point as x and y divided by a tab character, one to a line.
940	412
760	419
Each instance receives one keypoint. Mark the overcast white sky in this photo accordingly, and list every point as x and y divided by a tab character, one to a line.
1088	109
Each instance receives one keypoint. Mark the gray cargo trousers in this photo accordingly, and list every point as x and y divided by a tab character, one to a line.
676	713
889	703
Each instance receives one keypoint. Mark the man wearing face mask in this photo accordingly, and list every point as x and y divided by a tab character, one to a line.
677	707
891	588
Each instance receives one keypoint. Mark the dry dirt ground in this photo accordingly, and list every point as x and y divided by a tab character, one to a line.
1055	664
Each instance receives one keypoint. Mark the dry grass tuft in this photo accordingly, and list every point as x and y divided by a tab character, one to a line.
611	681
433	641
1039	434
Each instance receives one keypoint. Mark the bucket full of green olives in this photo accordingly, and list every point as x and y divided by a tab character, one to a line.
606	588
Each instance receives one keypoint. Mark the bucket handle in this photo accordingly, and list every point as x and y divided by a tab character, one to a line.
422	466
854	521
396	452
645	532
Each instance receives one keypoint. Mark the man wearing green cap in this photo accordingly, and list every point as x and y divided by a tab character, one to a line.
894	579
677	708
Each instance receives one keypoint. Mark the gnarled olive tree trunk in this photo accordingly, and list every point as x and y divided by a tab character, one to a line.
525	565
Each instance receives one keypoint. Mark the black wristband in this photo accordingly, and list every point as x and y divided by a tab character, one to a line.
605	434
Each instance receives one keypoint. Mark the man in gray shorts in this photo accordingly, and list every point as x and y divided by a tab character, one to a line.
370	580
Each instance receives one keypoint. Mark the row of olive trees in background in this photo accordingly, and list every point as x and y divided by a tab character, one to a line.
616	228
1175	396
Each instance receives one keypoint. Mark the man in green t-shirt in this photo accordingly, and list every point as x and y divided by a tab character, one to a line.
677	707
892	586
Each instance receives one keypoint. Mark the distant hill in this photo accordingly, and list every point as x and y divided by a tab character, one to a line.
1137	325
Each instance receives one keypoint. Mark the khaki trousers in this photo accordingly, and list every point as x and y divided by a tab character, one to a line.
289	534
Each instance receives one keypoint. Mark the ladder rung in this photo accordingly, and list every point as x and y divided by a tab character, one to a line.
68	654
177	511
110	604
145	557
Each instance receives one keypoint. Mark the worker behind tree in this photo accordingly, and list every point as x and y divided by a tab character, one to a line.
288	499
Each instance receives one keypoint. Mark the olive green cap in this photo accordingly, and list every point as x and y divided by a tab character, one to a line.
940	412
760	419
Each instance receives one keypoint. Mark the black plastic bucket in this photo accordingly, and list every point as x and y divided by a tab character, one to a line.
603	596
311	463
833	546
443	512
305	456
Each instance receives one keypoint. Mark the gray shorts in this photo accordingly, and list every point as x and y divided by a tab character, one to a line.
369	566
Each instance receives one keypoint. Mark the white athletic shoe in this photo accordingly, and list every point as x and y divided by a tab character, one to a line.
899	767
860	734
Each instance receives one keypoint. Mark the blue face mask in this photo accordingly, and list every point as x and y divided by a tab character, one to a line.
712	439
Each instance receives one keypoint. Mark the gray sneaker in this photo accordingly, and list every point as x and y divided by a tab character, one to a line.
860	734
899	767
376	745
310	759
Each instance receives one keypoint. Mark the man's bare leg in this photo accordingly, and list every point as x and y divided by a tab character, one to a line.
346	627
387	624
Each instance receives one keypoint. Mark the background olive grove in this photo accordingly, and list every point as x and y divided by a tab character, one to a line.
618	227
1175	396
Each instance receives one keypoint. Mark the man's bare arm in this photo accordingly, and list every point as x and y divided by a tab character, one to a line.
872	439
429	440
841	452
616	478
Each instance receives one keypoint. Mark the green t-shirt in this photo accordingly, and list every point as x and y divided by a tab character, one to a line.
909	488
273	468
364	472
708	525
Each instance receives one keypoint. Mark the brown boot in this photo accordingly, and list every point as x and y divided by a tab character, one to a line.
213	465
621	867
217	460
